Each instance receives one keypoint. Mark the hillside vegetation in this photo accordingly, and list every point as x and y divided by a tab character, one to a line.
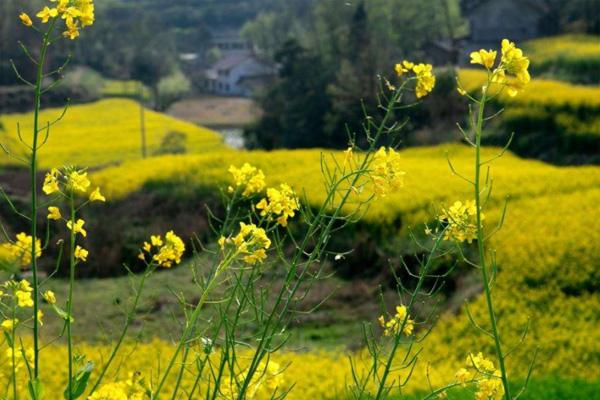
575	58
553	120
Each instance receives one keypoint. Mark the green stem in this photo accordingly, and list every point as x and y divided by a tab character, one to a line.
413	297
191	325
481	247
70	297
34	211
322	241
123	332
14	361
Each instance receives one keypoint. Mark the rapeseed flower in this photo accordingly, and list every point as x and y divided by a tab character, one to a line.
47	13
25	19
394	324
97	196
425	79
9	324
248	178
423	74
460	220
385	171
487	58
80	253
21	249
77	14
49	296
77	181
281	203
77	227
512	63
50	184
54	213
252	242
24	298
167	251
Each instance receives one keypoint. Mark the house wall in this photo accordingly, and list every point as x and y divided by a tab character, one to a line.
494	20
229	83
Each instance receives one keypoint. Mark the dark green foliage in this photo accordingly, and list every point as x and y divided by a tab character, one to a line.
296	105
173	143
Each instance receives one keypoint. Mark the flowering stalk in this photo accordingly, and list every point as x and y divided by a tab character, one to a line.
320	229
481	241
69	317
34	206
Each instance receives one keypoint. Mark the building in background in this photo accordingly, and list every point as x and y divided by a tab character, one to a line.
238	71
490	21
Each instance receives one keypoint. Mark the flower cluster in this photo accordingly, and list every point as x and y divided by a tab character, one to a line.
385	171
460	220
512	62
20	250
69	181
247	178
482	372
251	241
394	324
423	73
281	203
165	252
18	355
77	14
131	389
21	291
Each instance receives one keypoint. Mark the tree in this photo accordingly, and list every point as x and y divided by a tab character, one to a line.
355	87
296	105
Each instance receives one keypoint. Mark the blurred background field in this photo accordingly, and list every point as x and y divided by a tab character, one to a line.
274	85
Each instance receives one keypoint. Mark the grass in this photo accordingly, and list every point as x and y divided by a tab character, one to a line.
101	133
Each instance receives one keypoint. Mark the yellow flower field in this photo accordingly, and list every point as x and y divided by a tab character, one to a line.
102	133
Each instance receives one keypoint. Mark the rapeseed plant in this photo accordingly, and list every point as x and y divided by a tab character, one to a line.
230	355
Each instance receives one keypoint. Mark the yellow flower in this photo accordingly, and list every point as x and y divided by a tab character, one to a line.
282	203
40	314
78	181
47	13
169	251
81	253
491	388
480	363
78	227
514	63
250	178
404	67
25	19
97	196
385	171
425	79
51	182
49	297
72	31
461	221
462	376
24	298
156	240
487	58
252	242
9	324
394	325
54	213
221	242
21	248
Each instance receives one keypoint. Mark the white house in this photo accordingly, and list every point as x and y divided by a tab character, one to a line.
239	75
